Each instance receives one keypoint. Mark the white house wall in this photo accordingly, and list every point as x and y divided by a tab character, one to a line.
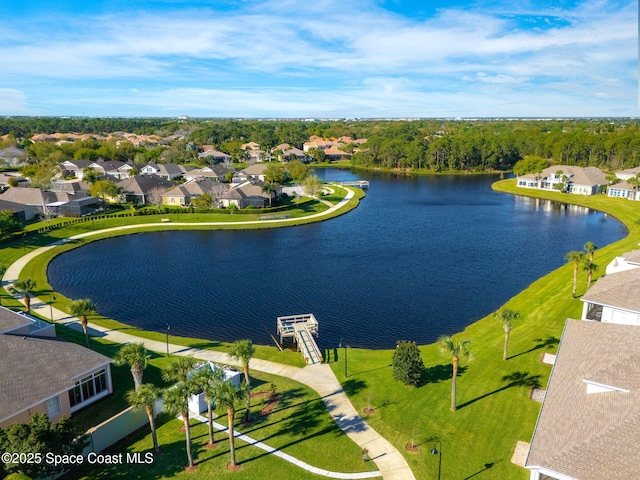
623	317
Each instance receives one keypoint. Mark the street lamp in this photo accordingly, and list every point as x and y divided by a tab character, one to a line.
168	328
435	451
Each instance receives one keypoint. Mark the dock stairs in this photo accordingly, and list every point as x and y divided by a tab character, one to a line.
301	329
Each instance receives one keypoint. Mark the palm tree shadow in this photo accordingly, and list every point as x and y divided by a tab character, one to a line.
549	342
439	373
516	379
353	386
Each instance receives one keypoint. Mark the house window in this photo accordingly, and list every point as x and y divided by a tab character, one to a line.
88	388
53	406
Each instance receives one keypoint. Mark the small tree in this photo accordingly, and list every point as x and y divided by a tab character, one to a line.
81	308
590	248
312	185
408	366
506	317
244	350
207	381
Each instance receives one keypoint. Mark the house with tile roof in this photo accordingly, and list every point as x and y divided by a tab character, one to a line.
59	377
615	297
590	418
570	179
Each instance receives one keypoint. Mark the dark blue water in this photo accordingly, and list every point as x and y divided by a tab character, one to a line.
420	257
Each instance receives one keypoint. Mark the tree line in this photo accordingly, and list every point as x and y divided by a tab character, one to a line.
431	144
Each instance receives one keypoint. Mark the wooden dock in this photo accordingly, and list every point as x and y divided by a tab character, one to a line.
301	329
363	184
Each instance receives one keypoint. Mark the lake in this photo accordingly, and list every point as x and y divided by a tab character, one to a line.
420	257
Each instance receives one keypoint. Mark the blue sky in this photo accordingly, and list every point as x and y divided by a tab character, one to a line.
319	58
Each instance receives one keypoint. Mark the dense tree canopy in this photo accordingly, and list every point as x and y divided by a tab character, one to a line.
434	144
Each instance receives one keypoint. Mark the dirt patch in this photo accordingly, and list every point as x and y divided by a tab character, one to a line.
271	399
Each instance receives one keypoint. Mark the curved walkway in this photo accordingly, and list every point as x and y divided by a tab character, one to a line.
390	462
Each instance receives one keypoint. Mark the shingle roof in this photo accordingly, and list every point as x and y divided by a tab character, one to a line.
591	436
10	320
35	369
143	184
618	289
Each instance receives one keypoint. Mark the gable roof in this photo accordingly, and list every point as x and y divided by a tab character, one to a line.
591	436
143	184
33	196
35	369
578	175
618	290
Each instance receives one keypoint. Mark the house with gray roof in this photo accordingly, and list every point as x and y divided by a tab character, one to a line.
42	374
246	194
628	173
184	194
590	418
143	189
623	190
213	172
614	298
168	171
570	179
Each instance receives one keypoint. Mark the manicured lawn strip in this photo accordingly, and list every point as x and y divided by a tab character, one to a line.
494	409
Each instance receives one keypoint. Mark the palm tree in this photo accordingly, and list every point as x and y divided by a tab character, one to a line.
82	308
179	370
506	317
24	287
207	380
145	397
227	396
590	248
576	258
243	350
590	268
176	402
135	355
458	351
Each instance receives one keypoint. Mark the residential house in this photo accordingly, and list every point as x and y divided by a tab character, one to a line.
43	374
184	194
614	298
590	418
628	173
246	194
22	213
255	156
250	146
114	168
251	173
74	168
623	190
215	156
294	153
43	202
144	189
576	180
626	261
168	171
6	178
216	173
333	153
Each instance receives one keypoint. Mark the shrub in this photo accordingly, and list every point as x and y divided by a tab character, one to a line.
407	363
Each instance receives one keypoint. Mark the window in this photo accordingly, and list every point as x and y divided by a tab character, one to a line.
88	388
53	406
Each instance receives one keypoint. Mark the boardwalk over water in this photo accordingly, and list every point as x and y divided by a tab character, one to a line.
363	184
301	329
